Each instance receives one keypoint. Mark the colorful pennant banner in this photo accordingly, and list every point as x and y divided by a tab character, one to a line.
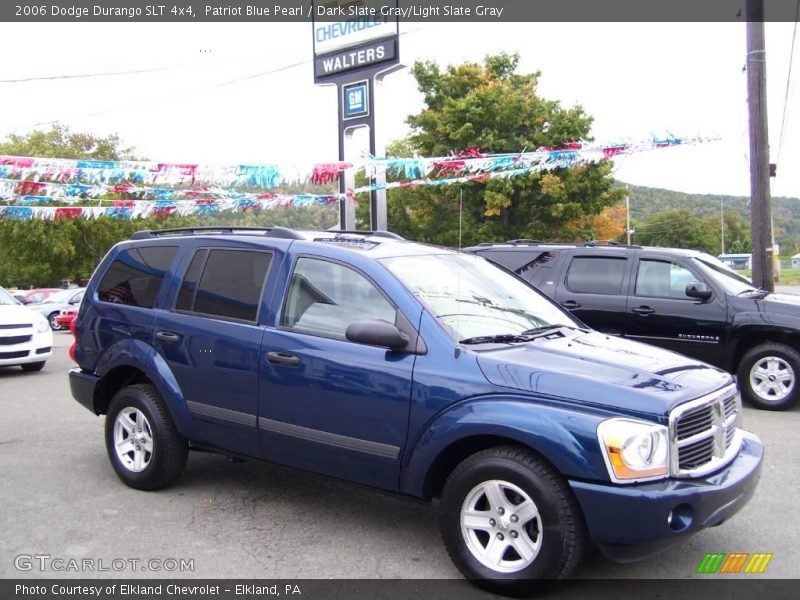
32	183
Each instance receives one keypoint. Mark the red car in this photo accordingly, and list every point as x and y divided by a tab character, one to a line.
35	295
66	317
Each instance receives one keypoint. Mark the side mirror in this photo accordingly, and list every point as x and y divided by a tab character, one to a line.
699	290
375	332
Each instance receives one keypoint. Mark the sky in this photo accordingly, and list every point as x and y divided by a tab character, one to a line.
231	93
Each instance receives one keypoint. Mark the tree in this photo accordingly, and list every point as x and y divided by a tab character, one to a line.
678	229
496	109
609	225
59	142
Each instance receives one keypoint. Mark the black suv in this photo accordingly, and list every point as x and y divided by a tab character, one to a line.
681	300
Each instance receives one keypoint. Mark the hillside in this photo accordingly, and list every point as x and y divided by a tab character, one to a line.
645	202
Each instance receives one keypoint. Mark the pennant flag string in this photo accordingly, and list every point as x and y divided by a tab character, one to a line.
32	183
270	176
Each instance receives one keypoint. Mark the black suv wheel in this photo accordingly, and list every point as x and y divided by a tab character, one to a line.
768	376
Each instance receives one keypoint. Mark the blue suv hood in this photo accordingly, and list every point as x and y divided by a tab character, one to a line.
596	369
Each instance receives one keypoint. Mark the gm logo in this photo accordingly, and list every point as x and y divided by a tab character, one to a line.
736	562
355	100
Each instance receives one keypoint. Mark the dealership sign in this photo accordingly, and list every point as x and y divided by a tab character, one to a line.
355	58
344	24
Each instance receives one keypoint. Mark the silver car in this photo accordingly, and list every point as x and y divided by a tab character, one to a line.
54	304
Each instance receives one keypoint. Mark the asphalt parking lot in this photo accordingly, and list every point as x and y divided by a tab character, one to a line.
61	498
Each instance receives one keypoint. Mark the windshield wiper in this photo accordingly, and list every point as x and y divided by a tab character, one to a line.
515	338
503	338
537	331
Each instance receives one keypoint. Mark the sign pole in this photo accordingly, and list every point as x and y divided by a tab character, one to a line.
355	55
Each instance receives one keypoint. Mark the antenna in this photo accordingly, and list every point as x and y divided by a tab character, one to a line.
458	280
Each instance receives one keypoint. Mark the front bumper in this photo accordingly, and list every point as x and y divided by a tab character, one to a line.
633	522
38	348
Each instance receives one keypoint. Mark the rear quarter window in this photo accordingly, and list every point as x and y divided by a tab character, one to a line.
135	276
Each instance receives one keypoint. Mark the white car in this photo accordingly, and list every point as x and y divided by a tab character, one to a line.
25	336
50	308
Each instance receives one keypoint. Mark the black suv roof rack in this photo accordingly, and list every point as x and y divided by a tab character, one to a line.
276	232
377	233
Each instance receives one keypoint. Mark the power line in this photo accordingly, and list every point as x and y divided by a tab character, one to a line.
88	75
788	80
183	92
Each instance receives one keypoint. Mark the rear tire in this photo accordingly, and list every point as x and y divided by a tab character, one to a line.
29	367
769	376
510	522
143	445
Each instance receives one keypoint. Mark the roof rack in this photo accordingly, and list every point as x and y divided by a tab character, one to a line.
524	241
275	232
613	243
377	233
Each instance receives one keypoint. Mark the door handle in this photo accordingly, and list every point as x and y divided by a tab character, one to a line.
571	305
168	337
281	358
644	310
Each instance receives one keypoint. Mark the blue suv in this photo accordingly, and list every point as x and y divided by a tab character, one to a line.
413	369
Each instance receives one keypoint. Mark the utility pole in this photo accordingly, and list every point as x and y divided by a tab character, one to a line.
722	225
628	214
760	202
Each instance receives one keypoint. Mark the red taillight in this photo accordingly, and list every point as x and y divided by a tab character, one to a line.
75	342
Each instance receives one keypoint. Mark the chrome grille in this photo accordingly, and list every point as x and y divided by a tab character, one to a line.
695	422
705	433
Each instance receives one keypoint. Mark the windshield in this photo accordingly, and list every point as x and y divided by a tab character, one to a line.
473	298
5	298
722	274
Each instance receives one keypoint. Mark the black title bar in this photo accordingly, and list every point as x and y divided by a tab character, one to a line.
455	11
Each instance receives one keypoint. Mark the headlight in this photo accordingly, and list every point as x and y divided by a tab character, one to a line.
634	450
41	324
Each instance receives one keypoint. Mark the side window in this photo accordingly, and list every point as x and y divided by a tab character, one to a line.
326	297
662	279
135	276
225	283
596	275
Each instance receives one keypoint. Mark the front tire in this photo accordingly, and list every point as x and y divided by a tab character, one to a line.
143	445
52	318
510	522
768	376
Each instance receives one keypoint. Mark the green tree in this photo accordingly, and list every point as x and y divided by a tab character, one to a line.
60	142
678	229
492	107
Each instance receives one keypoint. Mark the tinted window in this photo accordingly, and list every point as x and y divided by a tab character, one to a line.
596	275
326	297
189	285
135	276
230	284
662	279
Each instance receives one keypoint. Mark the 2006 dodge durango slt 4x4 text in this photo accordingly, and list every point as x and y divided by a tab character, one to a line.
413	369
